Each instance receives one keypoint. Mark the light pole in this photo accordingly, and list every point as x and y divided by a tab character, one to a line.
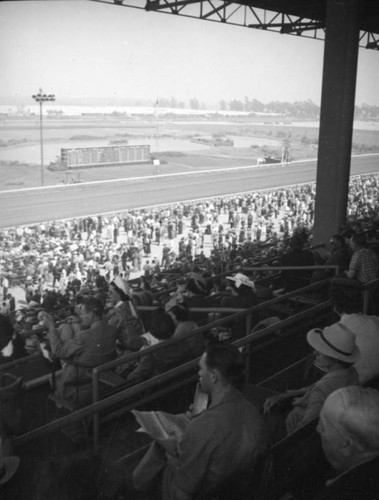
40	98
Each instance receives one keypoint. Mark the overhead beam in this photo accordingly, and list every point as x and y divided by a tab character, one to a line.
251	14
372	41
216	10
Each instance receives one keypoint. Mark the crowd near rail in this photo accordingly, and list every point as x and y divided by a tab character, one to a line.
106	308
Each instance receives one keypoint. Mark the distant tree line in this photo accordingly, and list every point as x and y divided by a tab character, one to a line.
298	109
12	142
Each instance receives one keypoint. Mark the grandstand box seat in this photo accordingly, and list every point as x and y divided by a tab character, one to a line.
82	382
293	465
11	402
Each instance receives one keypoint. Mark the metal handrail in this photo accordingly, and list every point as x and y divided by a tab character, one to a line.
236	313
245	312
368	288
20	361
208	326
123	395
289	268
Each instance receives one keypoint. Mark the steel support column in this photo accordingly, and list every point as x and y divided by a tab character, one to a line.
337	113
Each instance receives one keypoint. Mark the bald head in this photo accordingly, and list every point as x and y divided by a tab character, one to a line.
349	426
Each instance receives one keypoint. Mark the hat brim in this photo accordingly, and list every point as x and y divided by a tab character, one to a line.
314	340
10	466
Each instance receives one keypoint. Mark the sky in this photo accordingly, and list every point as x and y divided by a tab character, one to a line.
75	48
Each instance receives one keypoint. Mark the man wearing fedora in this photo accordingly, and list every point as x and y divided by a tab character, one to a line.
335	353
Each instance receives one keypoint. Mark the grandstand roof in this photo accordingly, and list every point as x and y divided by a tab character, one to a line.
316	10
305	18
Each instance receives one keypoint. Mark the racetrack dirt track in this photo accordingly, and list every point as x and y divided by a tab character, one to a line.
28	206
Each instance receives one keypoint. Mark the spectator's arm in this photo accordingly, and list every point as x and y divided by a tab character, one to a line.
353	267
59	348
296	419
143	370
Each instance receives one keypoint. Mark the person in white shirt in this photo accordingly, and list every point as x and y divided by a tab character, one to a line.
366	330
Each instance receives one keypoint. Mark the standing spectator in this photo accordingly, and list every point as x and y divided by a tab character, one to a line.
157	235
5	285
165	258
115	233
364	265
12	302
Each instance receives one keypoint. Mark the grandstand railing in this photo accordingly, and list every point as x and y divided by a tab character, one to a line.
216	310
19	361
367	292
122	396
107	403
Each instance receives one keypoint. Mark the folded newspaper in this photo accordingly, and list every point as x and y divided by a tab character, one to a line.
166	428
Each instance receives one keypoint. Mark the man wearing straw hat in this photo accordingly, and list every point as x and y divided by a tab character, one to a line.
335	353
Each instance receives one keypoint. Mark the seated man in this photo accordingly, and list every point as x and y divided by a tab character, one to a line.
162	328
93	345
349	430
218	444
335	353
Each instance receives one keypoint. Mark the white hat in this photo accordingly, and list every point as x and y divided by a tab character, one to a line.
121	284
240	279
336	341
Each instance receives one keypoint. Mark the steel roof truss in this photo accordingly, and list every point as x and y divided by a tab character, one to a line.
372	40
242	13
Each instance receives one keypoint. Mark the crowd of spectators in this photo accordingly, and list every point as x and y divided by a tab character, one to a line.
84	278
65	254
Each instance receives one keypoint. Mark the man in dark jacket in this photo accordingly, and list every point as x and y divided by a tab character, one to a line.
297	256
219	444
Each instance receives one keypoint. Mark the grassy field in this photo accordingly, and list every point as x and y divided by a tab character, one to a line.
20	132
